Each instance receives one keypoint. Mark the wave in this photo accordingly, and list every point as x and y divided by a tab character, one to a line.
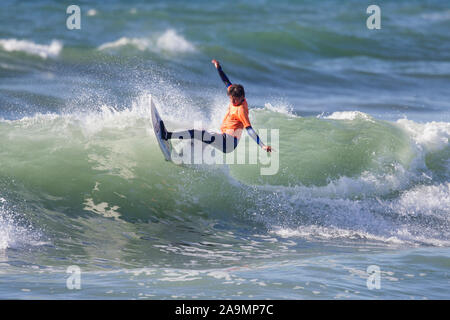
359	147
349	178
44	51
418	216
169	41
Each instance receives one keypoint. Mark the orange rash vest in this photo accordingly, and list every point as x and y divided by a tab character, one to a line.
236	119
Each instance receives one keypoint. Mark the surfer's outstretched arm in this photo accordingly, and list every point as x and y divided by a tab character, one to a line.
252	133
222	74
243	115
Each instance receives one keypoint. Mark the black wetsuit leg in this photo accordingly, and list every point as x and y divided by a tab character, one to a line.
222	141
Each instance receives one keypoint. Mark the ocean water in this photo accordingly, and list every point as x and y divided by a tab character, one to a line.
364	170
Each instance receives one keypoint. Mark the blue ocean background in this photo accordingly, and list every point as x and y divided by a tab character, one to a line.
363	119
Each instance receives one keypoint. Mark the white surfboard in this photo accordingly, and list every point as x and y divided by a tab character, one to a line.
165	145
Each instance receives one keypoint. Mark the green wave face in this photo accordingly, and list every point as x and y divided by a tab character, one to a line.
60	155
314	151
76	163
71	167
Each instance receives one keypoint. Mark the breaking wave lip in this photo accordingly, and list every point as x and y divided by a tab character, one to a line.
44	51
281	108
431	136
348	115
139	43
169	41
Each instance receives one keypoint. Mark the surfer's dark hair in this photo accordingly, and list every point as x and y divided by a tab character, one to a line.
236	90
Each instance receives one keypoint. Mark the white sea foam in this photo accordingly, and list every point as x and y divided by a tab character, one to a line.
353	224
13	233
103	209
44	51
172	42
7	227
429	200
367	183
431	135
371	219
169	41
280	108
4	228
139	43
349	115
313	232
91	12
5	234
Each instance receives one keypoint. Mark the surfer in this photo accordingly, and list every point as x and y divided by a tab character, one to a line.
235	120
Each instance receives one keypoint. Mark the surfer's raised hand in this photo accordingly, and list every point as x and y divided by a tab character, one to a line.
216	63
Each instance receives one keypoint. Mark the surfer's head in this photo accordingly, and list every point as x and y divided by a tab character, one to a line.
236	93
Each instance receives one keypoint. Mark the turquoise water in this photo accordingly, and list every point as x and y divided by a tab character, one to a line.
363	179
